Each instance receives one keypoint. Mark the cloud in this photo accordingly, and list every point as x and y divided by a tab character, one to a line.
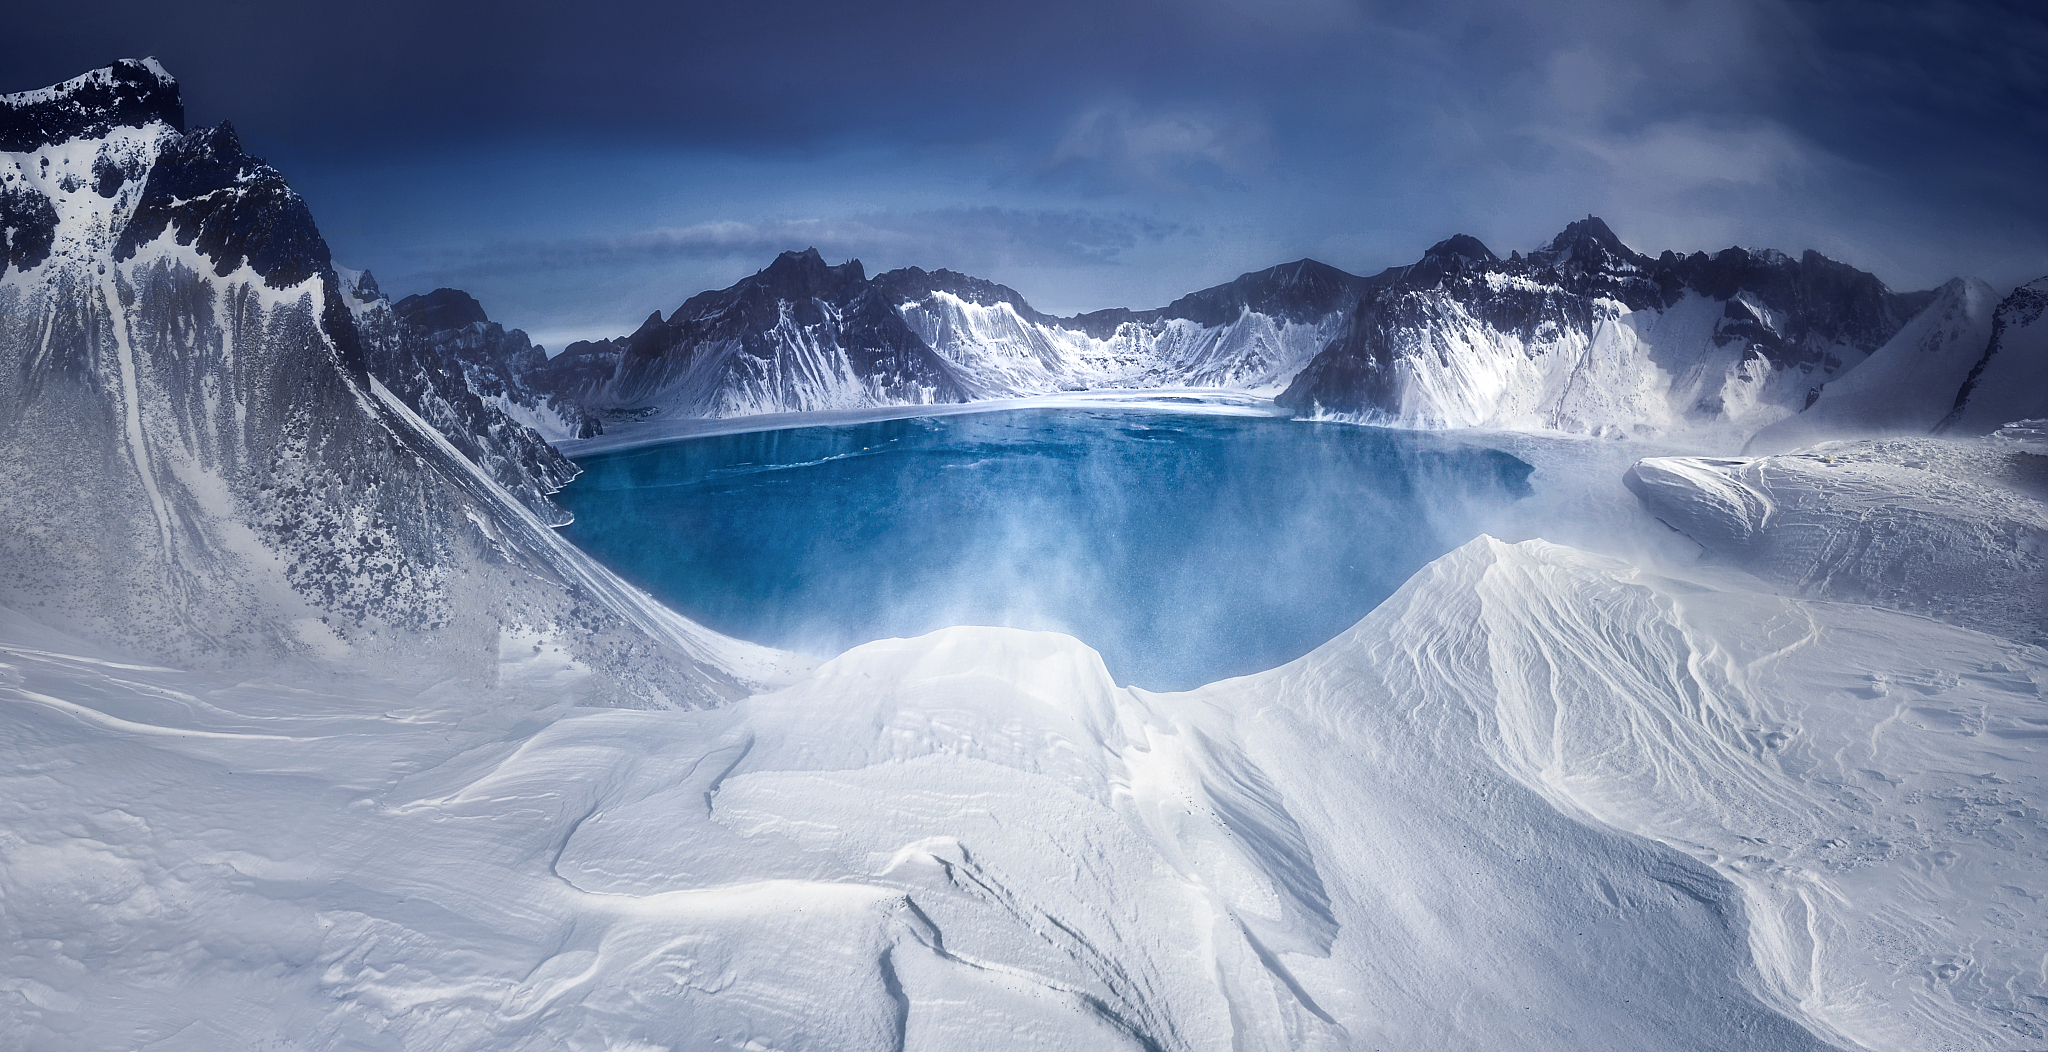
1118	145
976	239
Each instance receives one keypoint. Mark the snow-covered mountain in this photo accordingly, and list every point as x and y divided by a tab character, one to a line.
2010	381
1906	386
466	375
1539	799
203	469
1583	335
799	335
1586	335
802	335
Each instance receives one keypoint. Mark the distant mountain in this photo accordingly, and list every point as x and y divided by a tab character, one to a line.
799	335
203	468
1906	386
466	375
1583	335
802	335
1587	335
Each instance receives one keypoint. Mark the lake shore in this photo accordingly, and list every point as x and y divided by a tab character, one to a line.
654	431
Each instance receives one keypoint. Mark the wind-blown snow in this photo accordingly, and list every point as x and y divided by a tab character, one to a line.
1913	524
1538	799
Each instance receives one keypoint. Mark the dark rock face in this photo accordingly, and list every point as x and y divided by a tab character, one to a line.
232	206
579	375
457	369
799	334
1823	302
1301	291
915	283
2014	351
441	310
28	226
207	474
127	94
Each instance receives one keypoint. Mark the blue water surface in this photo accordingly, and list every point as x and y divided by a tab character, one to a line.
1185	548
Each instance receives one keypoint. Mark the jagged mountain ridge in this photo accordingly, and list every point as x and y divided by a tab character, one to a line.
800	335
1583	334
1587	335
465	374
803	335
204	469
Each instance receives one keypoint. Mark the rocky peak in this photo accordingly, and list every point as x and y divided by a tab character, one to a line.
1462	247
1587	246
1455	255
805	275
441	310
366	289
234	206
915	283
129	93
1299	291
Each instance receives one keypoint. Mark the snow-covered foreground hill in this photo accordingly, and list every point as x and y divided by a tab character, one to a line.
1538	800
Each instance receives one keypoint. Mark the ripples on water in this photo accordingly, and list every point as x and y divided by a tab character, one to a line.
1185	548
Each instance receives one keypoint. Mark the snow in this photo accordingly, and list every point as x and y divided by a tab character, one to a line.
2027	436
1913	524
2011	381
1905	386
1772	780
1539	797
1001	354
1651	374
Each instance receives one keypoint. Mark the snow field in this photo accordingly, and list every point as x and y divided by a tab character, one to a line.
1538	798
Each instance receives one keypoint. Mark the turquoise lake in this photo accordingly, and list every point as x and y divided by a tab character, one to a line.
1184	548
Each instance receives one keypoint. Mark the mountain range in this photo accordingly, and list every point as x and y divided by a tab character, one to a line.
317	736
1582	335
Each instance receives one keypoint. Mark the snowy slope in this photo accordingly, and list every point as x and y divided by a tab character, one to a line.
1538	800
201	468
1908	385
1958	532
1252	334
2010	382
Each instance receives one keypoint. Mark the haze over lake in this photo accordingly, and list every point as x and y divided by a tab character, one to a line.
1185	548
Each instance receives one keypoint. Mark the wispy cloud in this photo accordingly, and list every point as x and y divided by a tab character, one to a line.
1119	145
982	239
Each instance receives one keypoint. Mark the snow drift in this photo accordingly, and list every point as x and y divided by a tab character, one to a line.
1539	799
1922	525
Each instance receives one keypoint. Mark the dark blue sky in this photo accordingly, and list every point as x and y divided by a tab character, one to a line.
577	166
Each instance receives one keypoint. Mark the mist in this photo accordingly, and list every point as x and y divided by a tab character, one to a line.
1184	548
